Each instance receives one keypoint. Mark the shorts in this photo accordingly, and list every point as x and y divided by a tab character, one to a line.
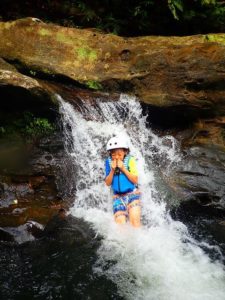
121	202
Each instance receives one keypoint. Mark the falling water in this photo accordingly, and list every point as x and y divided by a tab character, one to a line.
160	260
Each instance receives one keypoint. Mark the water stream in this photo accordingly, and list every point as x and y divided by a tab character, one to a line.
161	260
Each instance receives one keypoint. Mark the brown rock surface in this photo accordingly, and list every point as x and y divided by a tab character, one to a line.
32	190
10	76
162	71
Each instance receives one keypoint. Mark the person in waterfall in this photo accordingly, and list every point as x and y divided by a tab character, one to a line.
121	174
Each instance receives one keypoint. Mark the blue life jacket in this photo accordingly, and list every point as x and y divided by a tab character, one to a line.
121	184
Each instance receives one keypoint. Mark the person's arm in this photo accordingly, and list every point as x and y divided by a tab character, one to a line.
109	178
133	178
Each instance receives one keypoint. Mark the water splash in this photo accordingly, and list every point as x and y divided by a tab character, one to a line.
159	261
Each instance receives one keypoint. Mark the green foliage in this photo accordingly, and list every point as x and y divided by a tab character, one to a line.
176	6
111	16
142	8
141	12
33	73
218	14
94	85
29	127
124	17
88	13
208	2
111	24
38	128
202	9
2	130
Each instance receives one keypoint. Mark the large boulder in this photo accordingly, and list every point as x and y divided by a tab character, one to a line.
200	176
163	71
21	91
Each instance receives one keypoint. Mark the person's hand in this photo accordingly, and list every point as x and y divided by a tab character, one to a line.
120	165
114	164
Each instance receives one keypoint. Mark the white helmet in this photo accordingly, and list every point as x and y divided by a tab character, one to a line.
117	142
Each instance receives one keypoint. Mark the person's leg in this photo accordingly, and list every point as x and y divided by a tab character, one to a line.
120	217
119	210
135	213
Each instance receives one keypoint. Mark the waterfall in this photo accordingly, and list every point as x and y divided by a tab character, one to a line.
160	260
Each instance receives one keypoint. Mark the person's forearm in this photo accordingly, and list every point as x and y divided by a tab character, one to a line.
109	178
133	178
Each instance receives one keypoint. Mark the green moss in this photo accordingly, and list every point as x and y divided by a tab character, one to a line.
94	85
82	53
92	56
46	71
29	29
44	32
62	38
85	53
216	38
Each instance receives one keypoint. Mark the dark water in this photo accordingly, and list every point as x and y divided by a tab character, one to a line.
52	269
203	223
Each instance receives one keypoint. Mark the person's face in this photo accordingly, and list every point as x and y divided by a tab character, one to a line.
118	154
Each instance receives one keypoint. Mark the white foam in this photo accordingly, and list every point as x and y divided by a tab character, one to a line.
160	260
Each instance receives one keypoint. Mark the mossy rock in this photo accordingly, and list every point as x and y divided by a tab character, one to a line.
162	71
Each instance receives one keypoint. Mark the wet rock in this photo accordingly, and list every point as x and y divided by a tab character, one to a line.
6	236
206	225
60	226
68	229
217	229
162	71
34	188
9	76
206	131
22	234
4	66
77	96
201	176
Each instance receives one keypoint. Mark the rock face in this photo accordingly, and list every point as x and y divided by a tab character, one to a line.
30	186
201	176
163	71
9	75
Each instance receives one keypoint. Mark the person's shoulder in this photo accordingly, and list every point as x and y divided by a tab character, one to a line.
132	158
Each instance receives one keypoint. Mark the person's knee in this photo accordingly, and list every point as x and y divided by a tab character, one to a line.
135	222
135	216
120	218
